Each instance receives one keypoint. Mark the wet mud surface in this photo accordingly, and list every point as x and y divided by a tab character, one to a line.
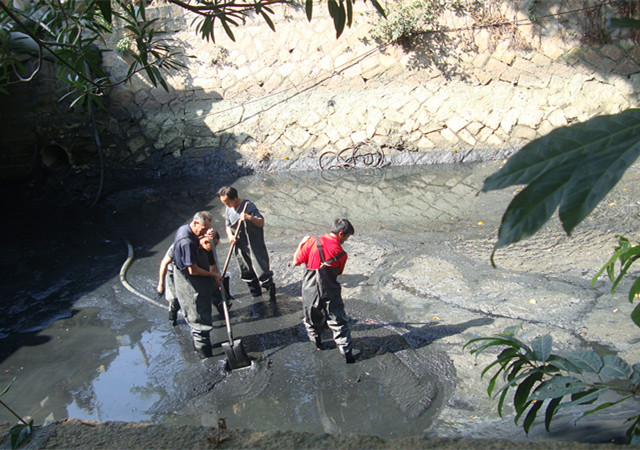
418	285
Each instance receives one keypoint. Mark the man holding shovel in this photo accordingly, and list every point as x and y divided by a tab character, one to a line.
321	292
250	249
193	282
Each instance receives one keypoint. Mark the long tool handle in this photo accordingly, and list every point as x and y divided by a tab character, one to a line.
224	296
235	237
226	316
224	270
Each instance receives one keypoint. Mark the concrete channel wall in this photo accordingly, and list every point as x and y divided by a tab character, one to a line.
279	100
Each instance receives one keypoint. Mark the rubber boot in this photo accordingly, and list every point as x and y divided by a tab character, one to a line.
220	310
201	343
272	292
225	286
174	307
255	288
348	357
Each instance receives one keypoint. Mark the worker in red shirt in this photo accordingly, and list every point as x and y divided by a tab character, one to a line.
321	292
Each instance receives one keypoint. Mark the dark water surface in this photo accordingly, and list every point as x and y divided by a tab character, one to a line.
80	345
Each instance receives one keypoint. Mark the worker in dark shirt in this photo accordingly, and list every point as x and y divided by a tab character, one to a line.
193	282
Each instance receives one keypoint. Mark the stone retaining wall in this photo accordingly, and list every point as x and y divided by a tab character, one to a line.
271	100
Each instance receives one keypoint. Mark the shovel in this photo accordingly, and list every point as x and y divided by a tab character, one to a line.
234	350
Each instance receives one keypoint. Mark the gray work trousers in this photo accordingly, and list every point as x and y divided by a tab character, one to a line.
254	265
194	295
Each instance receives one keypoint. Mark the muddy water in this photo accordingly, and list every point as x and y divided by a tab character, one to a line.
418	285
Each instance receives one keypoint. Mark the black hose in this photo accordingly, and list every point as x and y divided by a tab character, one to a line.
125	283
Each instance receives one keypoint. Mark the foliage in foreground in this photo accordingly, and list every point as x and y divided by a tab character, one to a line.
571	169
71	35
625	253
20	432
544	381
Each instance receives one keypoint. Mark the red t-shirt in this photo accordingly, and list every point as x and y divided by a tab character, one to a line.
308	252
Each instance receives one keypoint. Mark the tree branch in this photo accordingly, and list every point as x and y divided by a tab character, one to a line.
41	44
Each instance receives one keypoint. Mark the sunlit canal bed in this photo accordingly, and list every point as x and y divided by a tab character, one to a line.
418	285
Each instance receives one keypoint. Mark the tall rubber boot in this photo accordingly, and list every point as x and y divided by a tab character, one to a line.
201	343
174	307
272	292
349	358
255	288
225	286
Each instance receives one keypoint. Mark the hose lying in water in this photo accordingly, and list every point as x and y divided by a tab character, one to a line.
125	283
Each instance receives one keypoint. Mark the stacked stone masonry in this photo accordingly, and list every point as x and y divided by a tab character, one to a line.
270	100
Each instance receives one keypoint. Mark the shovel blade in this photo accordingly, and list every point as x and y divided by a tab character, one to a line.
237	357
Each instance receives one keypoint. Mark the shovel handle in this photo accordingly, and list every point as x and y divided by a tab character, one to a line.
224	270
235	236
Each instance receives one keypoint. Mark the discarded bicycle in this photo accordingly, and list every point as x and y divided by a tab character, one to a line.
365	154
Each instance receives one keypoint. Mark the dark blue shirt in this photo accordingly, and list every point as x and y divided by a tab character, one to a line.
185	249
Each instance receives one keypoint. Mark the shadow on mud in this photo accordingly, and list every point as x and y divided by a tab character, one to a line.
405	336
59	247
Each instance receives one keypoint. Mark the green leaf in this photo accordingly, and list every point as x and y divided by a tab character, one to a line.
609	266
563	364
557	386
492	342
379	8
635	290
623	22
267	19
635	315
227	28
600	170
521	397
507	338
572	167
541	347
501	401
533	206
338	14
513	379
551	410
587	360
633	432
512	371
531	416
157	78
506	355
605	405
151	75
77	101
20	433
309	9
582	398
492	382
105	9
512	331
615	367
8	387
